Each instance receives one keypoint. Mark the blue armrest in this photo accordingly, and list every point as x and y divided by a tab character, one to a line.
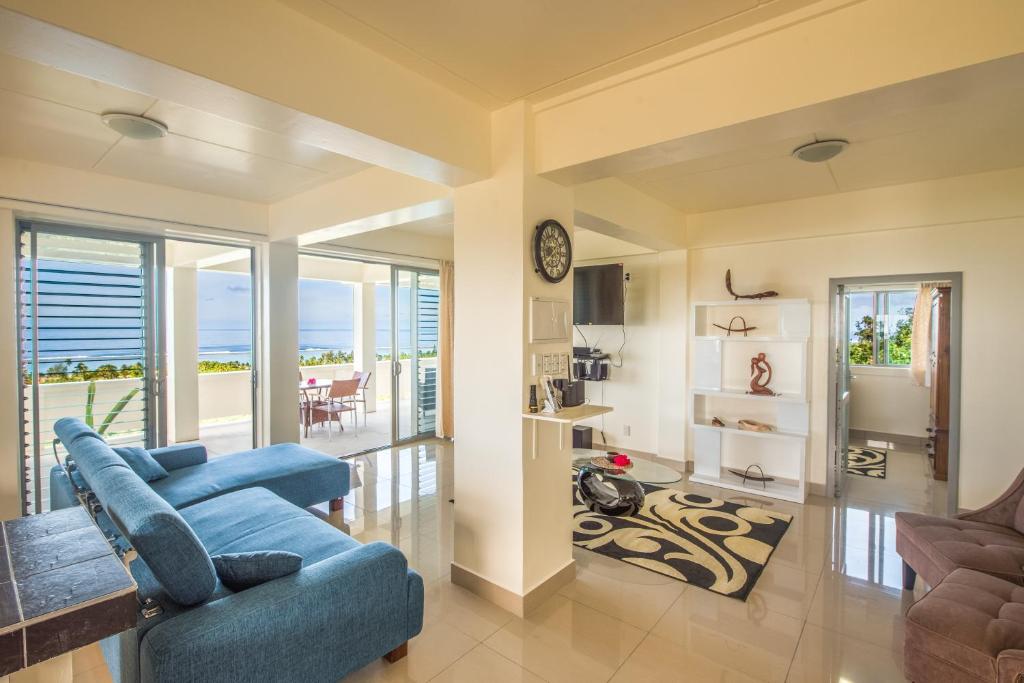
181	455
318	624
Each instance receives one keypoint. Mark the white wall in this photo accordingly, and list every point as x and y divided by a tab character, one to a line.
632	390
886	400
973	224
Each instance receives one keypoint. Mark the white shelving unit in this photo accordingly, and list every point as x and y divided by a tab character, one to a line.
721	380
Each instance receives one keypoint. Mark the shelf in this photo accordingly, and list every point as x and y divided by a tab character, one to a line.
762	339
737	393
773	489
565	416
769	301
762	435
570	415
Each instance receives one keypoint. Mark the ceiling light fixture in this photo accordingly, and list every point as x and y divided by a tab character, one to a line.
134	126
821	150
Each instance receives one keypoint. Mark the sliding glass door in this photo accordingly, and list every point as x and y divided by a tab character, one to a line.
90	343
415	296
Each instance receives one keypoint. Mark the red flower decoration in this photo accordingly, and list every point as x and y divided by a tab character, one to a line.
621	459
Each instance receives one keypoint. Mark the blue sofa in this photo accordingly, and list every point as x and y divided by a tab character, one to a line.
348	605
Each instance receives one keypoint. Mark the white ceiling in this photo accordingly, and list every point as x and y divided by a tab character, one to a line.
52	116
509	50
967	135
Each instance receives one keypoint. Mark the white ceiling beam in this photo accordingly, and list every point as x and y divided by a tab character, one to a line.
613	208
266	65
671	110
371	199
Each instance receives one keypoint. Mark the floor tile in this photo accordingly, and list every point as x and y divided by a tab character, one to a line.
563	640
862	610
657	660
743	637
456	606
633	595
828	657
85	658
98	674
484	664
436	648
784	589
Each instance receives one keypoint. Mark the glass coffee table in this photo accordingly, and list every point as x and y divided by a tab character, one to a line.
644	471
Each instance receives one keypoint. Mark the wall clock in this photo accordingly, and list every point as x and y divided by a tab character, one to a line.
552	251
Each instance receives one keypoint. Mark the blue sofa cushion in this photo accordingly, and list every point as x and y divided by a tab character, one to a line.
69	429
299	475
268	523
239	571
141	462
157	532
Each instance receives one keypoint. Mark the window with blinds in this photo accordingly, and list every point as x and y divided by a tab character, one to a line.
427	297
86	343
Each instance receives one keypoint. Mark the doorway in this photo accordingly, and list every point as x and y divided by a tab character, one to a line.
894	390
374	322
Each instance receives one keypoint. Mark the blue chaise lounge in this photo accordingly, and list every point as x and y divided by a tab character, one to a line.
348	604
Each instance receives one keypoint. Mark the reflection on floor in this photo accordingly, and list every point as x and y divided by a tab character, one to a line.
828	607
373	431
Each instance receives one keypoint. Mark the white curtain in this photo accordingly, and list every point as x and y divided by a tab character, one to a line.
920	336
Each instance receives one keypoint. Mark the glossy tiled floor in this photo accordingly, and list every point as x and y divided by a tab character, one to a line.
828	607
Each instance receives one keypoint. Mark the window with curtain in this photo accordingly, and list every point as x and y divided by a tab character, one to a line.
880	326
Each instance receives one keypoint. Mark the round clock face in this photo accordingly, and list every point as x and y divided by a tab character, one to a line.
552	251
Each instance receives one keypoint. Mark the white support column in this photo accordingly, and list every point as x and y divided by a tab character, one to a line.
11	427
513	547
281	343
185	355
365	333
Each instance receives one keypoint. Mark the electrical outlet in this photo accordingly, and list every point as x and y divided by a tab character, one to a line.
625	430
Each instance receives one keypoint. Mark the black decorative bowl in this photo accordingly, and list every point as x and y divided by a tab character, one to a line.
616	496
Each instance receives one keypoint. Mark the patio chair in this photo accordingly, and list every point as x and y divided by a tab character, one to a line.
364	380
340	399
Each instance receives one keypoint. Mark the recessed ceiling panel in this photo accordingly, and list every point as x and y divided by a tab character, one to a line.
201	167
54	85
511	49
37	130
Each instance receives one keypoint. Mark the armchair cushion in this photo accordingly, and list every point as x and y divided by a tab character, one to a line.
239	571
935	546
141	462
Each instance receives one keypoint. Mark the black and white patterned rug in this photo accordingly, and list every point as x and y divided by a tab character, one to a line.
866	462
717	545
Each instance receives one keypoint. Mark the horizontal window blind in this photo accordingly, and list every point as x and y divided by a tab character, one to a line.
84	346
427	298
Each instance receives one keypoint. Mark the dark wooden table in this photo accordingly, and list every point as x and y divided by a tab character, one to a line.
61	588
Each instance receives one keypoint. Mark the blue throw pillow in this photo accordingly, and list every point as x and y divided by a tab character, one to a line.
239	571
144	464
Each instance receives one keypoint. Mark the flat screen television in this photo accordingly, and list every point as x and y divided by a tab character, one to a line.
597	295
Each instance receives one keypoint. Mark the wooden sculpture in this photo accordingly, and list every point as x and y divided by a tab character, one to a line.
768	293
759	366
744	327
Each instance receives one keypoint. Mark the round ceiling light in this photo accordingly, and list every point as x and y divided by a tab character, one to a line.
819	151
134	126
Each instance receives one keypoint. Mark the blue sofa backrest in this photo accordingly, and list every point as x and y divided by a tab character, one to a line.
158	533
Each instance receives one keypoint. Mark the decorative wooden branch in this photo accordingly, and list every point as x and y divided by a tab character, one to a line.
744	329
760	295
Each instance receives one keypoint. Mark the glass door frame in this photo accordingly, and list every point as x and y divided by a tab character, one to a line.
396	357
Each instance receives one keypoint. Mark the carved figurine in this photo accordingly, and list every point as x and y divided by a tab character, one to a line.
768	293
759	366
